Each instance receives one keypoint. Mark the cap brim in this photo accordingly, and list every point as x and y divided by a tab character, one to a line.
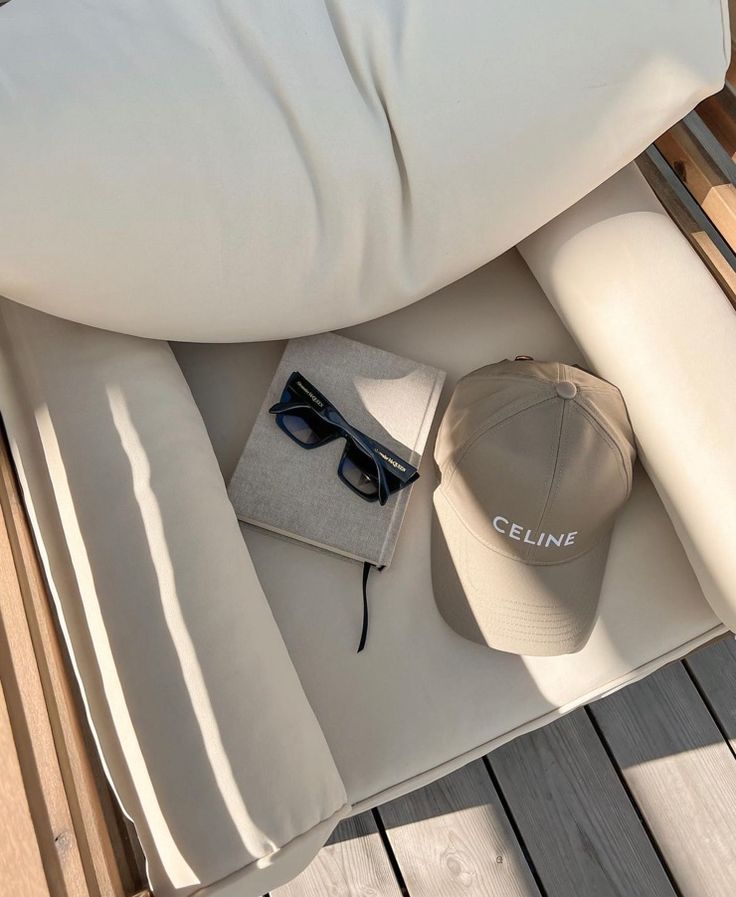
511	606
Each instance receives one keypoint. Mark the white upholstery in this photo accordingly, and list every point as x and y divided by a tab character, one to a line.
668	343
421	700
190	690
239	170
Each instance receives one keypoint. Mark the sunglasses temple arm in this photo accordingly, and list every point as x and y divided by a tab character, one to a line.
367	442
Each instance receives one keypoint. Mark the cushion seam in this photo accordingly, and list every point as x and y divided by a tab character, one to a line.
339	813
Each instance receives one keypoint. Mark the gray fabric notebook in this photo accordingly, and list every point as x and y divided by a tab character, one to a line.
296	492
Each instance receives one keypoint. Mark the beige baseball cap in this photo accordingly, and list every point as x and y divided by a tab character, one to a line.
535	461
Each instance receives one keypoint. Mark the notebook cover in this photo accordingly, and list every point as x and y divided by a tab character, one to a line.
296	492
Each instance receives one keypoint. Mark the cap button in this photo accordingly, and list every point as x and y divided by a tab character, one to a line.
566	389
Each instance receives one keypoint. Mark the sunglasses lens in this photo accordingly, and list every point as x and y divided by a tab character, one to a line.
359	471
305	429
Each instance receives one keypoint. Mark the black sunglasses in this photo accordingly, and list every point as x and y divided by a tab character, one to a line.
368	468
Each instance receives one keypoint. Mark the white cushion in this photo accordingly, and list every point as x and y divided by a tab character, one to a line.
652	319
191	693
246	170
421	700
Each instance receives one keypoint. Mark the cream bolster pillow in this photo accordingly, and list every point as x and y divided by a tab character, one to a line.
202	722
651	319
247	170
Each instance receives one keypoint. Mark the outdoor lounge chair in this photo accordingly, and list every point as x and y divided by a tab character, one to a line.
453	182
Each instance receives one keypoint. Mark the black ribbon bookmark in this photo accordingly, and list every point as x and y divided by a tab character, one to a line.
364	631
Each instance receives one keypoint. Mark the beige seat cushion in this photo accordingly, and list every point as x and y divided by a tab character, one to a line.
421	700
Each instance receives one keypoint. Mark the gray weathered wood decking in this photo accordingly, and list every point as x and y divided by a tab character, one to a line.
633	796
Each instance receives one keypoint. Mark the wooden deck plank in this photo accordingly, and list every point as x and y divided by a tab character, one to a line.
353	863
453	837
682	775
577	821
714	669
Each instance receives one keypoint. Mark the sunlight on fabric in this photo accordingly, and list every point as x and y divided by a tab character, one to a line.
176	867
255	842
380	398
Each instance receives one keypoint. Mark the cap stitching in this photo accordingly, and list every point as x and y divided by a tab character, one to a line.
530	633
603	433
627	472
486	428
521	610
555	467
517	615
538	626
542	628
